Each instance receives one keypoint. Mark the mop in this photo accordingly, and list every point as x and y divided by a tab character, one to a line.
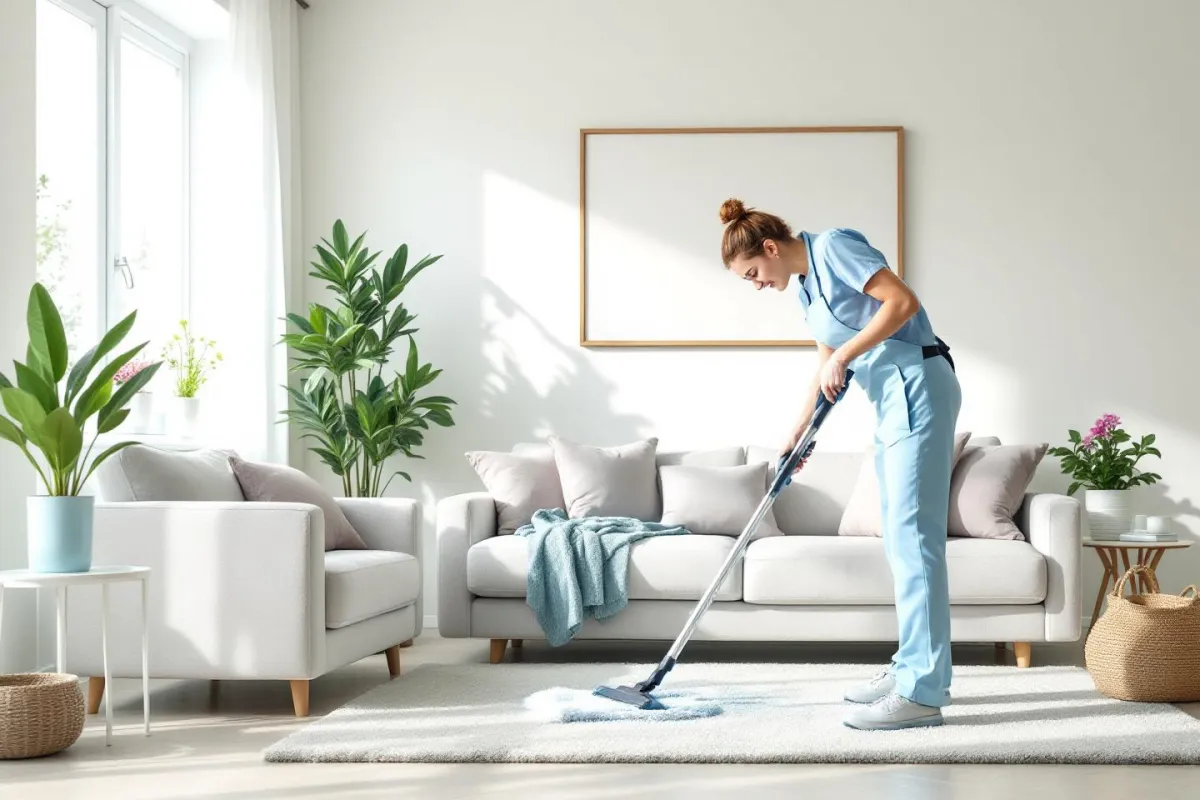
572	705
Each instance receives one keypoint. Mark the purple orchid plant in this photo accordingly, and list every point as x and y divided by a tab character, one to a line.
1102	461
126	373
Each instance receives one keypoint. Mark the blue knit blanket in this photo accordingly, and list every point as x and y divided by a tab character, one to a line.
579	568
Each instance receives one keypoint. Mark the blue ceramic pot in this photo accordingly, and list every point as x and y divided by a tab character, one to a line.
60	533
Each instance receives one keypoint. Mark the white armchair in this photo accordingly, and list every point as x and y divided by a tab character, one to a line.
242	590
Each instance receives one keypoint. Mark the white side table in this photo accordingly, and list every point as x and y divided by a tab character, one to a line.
24	579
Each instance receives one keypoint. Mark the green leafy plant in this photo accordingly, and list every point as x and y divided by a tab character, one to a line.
357	418
1099	461
192	358
55	420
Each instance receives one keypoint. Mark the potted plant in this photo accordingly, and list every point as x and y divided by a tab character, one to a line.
1102	464
54	420
141	405
192	358
357	418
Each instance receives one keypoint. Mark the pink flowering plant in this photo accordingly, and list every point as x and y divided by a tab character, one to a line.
1106	458
126	373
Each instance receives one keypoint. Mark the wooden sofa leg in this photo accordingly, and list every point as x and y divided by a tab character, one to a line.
1023	651
95	694
300	697
393	659
498	646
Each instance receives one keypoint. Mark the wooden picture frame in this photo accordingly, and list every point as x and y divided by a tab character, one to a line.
875	198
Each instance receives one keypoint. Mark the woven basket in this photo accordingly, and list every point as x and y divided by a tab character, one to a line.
1146	647
40	714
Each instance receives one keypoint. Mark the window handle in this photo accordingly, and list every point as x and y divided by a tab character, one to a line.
122	264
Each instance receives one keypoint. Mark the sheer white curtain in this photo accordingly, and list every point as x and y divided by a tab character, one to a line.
260	273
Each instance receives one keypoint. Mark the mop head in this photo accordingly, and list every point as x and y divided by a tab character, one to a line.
578	705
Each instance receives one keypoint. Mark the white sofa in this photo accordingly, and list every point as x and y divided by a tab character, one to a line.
809	584
246	590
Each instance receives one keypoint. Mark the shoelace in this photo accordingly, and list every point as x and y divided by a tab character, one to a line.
889	702
882	676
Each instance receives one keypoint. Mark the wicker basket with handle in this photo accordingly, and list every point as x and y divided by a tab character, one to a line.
1146	647
40	714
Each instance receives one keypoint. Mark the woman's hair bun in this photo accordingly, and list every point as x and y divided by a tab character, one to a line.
732	210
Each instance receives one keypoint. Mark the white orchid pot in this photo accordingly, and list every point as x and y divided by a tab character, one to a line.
141	413
1109	511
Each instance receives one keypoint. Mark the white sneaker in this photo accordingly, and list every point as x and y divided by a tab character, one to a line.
891	713
878	687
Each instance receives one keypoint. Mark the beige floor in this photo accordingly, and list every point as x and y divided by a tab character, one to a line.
206	741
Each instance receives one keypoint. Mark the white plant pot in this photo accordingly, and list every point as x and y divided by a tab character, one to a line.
185	416
141	413
1109	511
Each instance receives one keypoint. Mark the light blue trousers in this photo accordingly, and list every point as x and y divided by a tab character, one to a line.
918	405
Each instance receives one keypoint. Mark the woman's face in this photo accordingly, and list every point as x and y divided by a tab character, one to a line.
765	270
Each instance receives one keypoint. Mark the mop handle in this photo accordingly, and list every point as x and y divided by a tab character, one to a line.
805	443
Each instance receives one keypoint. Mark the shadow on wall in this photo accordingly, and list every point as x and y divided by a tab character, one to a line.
534	385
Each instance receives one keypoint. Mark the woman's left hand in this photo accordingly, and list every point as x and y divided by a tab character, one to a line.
833	376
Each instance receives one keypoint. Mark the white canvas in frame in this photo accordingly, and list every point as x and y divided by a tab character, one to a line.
650	234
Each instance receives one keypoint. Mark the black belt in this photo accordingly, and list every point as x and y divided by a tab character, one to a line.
939	349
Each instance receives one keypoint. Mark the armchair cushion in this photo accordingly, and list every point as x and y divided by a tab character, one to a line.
140	473
278	483
361	584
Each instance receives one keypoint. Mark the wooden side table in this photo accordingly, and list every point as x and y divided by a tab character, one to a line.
1117	560
59	581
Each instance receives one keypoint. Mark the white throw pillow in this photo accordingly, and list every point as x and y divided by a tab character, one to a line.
608	481
520	484
142	473
864	514
716	500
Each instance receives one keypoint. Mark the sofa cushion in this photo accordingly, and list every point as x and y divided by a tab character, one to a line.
715	500
863	515
608	481
519	483
660	567
278	483
813	502
715	457
140	473
361	584
988	487
850	570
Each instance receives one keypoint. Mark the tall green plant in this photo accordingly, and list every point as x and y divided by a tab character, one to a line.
357	418
54	420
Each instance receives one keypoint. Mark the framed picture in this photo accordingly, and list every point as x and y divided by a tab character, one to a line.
650	271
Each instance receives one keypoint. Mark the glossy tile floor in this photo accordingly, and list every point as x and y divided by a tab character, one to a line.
207	737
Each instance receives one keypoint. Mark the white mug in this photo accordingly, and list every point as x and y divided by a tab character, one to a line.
1139	522
1158	524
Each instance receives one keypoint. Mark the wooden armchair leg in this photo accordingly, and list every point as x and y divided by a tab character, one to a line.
1023	652
498	646
300	697
95	694
393	659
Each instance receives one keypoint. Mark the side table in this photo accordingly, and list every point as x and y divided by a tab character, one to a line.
1115	554
59	581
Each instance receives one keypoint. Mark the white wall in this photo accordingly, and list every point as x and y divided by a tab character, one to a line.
18	215
1051	204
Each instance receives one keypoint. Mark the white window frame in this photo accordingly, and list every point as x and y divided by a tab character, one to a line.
115	20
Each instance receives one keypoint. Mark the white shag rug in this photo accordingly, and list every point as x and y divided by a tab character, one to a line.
767	713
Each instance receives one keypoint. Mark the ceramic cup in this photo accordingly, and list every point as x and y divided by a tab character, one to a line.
1139	522
1158	524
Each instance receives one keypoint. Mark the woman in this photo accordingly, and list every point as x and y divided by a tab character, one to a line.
865	318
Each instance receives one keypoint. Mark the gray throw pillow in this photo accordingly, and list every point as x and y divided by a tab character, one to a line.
519	484
864	513
608	481
988	487
277	483
715	500
140	473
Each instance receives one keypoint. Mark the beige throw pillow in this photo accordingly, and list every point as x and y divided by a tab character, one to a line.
715	500
519	483
863	514
608	481
277	483
988	487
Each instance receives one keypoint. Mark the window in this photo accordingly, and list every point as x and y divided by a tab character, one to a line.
112	162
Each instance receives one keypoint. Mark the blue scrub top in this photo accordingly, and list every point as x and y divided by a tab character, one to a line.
844	262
